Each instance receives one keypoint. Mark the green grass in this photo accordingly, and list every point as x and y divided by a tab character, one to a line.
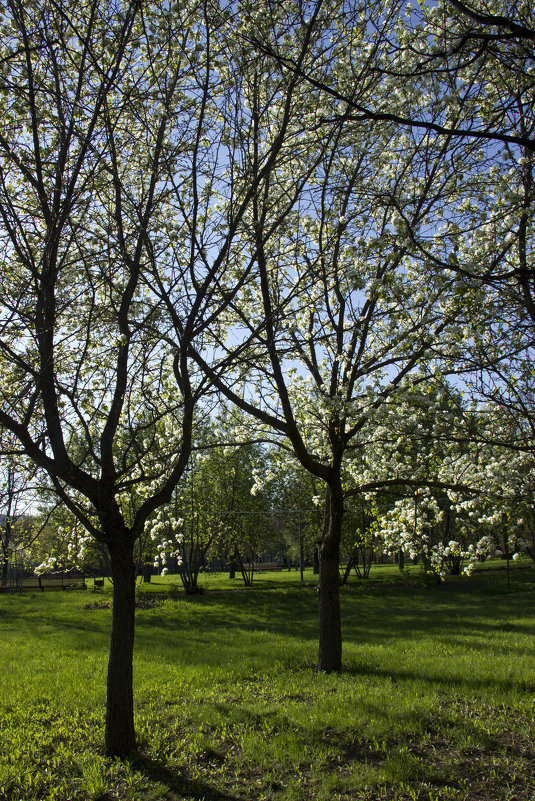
437	700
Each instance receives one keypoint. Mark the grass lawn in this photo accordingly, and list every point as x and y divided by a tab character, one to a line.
437	700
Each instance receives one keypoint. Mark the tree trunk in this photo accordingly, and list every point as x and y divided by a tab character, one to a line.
147	572
330	629
5	552
120	738
352	562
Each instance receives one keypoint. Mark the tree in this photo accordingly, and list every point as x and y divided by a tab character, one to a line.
17	493
456	92
342	316
213	512
125	182
81	202
296	495
359	538
465	478
498	462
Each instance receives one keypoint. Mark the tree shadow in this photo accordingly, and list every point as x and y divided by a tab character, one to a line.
157	771
257	609
446	682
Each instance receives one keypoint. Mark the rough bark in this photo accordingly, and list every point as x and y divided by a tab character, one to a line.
120	738
330	628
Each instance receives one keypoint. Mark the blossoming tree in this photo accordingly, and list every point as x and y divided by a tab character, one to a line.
122	191
340	315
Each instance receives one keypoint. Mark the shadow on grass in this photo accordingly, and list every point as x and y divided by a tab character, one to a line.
156	771
446	682
215	626
285	612
368	611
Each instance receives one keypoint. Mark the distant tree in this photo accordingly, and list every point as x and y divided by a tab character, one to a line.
17	494
464	478
295	494
359	538
213	513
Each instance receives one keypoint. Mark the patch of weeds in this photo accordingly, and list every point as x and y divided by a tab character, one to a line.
175	592
8	780
149	601
98	605
94	783
404	766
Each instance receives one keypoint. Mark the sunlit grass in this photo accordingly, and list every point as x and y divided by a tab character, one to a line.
437	700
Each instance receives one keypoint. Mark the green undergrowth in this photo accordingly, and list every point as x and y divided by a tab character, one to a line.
436	701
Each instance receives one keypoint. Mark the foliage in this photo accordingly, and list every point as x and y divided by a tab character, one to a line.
213	514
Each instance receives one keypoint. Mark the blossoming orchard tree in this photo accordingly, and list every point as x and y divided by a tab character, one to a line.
498	462
465	473
340	315
422	437
84	155
123	187
447	90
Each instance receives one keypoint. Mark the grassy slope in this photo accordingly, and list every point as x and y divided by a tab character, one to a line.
437	700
